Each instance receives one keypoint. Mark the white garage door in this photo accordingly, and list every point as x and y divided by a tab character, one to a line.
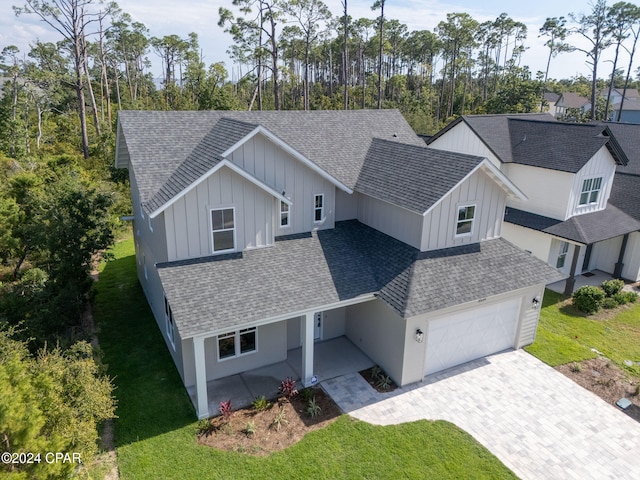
471	334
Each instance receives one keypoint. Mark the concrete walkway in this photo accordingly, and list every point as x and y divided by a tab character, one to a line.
535	420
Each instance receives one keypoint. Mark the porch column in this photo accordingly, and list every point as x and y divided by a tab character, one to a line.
617	272
307	348
571	281
202	398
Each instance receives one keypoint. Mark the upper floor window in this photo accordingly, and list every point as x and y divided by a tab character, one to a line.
223	229
318	208
169	322
562	254
284	214
590	190
466	214
234	344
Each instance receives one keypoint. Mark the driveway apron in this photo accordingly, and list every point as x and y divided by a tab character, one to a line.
538	422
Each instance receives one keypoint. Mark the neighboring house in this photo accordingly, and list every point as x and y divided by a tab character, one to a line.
630	111
571	103
551	100
566	170
257	233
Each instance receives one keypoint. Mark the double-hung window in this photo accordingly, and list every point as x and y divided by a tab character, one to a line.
170	325
590	191
234	344
562	254
284	214
318	208
223	229
464	224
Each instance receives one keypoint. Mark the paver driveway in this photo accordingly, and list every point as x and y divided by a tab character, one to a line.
535	420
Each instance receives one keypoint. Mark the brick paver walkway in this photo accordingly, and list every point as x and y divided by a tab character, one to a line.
535	420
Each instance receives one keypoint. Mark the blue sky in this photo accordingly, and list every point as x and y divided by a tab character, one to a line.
164	17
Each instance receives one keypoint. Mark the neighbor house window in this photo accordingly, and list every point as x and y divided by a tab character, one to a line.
223	229
562	254
170	326
318	208
466	215
234	344
284	214
590	190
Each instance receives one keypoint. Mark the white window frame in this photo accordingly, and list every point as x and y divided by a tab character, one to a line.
563	251
287	211
471	220
236	335
170	324
589	189
318	209
212	231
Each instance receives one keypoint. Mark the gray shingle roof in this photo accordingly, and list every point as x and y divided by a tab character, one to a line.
307	271
572	100
538	140
628	136
168	149
625	194
410	176
588	228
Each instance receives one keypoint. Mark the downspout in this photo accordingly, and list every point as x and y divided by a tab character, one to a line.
617	272
571	281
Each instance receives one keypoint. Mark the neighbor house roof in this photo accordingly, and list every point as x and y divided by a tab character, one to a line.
169	150
551	97
349	262
588	228
572	100
540	141
628	105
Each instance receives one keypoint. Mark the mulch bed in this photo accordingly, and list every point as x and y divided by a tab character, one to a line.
607	380
372	380
267	438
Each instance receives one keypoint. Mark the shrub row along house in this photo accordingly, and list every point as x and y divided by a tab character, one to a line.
258	233
582	211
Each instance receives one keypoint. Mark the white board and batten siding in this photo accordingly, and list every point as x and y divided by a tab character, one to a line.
538	243
548	191
631	268
439	225
461	139
395	221
602	166
188	220
281	171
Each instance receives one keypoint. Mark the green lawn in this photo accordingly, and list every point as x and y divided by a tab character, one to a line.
566	335
155	429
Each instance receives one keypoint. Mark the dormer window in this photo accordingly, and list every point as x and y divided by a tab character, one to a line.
590	191
318	209
284	214
223	229
464	225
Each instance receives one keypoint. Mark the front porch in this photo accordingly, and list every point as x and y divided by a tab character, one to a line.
593	278
331	358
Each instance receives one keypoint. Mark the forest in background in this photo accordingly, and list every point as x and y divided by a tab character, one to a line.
61	197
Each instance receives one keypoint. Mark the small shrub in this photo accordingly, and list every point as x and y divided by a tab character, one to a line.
376	371
249	429
260	404
205	427
636	391
313	409
630	297
306	394
610	302
279	420
288	387
612	287
225	410
576	367
588	299
384	382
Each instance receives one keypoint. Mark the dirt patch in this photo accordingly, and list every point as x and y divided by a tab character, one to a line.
607	380
373	377
259	433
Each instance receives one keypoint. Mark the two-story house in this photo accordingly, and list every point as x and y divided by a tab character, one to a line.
258	233
566	171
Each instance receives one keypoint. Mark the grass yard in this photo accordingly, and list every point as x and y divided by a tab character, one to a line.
155	429
566	335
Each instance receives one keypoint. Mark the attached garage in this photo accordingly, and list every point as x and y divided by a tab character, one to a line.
471	334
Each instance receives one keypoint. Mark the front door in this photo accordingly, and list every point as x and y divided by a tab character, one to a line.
317	326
